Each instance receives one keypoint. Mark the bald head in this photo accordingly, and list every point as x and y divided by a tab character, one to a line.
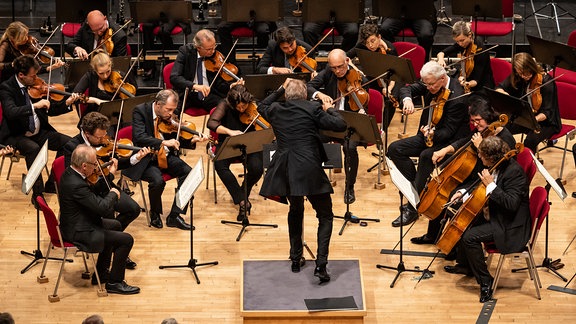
338	62
336	55
97	22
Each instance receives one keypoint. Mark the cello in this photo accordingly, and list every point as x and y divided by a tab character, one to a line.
437	191
470	208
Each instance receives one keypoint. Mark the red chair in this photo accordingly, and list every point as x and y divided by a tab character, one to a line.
498	28
539	208
501	69
572	39
56	241
564	75
417	56
525	160
406	32
334	33
126	132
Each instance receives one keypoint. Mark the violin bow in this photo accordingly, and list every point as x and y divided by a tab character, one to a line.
312	49
182	112
114	33
222	65
543	84
470	56
47	40
126	76
117	128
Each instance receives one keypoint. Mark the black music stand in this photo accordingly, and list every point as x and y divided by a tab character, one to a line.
360	128
111	109
333	12
405	188
252	11
186	194
478	8
518	110
552	53
394	68
409	10
262	85
76	11
242	145
75	69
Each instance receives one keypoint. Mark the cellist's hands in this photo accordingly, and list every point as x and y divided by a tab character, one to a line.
437	156
476	139
202	88
486	177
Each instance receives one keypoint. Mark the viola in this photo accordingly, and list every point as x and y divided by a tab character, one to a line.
457	169
467	63
251	115
469	209
536	96
115	81
300	60
56	91
187	130
436	111
124	147
217	62
351	85
32	47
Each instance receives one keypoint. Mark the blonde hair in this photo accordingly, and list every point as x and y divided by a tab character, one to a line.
16	31
100	59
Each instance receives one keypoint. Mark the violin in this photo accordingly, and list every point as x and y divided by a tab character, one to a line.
217	62
536	96
301	60
251	115
124	147
106	41
470	208
101	170
32	47
115	81
467	63
56	91
351	84
187	129
435	114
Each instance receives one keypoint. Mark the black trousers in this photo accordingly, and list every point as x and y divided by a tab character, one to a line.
322	204
532	138
128	210
471	245
30	147
263	30
254	170
423	29
153	175
107	240
312	33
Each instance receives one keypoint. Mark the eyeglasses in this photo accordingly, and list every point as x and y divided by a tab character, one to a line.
476	120
92	163
432	83
338	67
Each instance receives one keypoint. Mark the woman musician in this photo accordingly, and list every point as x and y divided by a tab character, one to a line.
477	72
227	120
16	42
278	52
528	76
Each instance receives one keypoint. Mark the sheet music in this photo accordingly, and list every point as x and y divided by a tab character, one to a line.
35	169
403	184
190	185
559	191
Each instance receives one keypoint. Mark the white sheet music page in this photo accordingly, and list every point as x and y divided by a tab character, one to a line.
405	186
35	169
561	193
190	185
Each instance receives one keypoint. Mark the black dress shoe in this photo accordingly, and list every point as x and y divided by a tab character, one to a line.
103	278
458	269
322	274
408	216
130	264
349	197
424	239
243	209
296	265
121	288
486	292
155	220
177	221
574	194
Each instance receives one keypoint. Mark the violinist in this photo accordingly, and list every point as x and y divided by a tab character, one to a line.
27	121
100	83
276	58
526	76
452	123
481	116
504	220
226	120
93	132
13	43
189	71
336	72
477	72
95	30
145	133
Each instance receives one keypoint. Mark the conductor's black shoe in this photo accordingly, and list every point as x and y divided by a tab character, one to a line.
103	278
349	197
424	239
296	265
322	274
174	220
458	269
408	216
155	220
121	288
486	292
130	264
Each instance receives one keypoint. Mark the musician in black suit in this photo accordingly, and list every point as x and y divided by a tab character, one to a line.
506	221
27	121
95	30
279	51
145	133
85	219
452	124
296	168
186	73
337	69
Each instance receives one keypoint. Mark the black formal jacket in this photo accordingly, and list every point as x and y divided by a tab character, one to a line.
296	168
327	83
273	56
16	110
482	71
85	38
81	210
455	119
89	81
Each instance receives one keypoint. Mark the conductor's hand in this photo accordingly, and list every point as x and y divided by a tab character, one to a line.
408	107
172	143
325	106
324	98
202	88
